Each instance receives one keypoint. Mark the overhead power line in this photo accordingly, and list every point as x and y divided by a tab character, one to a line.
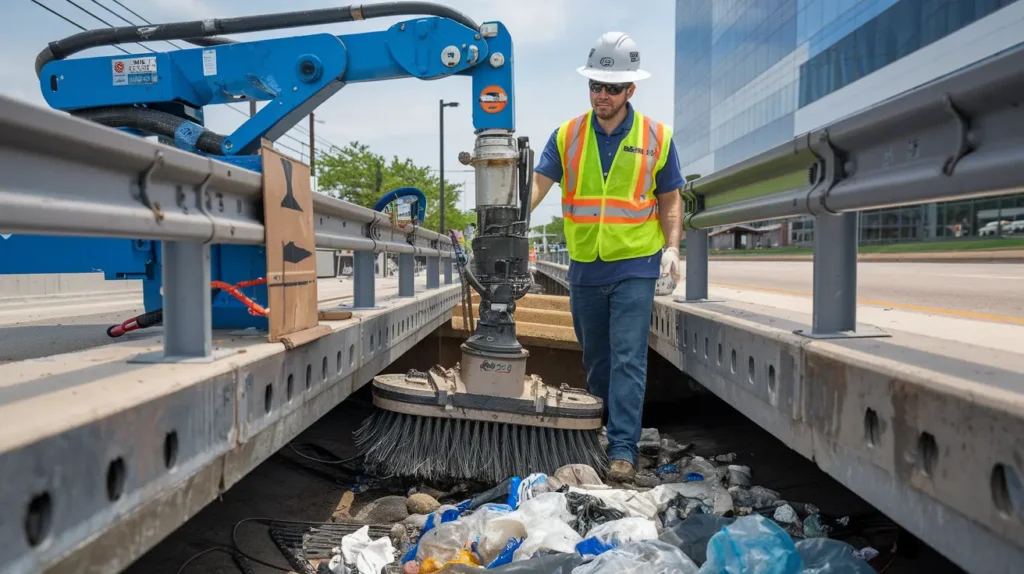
68	20
127	21
108	24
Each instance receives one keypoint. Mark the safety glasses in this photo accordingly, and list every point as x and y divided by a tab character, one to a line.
612	89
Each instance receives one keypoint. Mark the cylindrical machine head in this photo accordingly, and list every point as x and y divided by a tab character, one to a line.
494	159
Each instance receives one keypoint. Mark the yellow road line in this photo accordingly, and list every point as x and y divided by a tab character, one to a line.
906	306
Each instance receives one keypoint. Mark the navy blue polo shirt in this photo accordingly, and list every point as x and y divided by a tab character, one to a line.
670	178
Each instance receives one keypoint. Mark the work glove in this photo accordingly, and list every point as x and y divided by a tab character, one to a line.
670	274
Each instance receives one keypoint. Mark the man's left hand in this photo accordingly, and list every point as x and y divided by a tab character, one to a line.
670	263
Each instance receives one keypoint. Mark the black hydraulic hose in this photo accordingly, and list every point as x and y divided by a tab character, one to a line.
151	121
195	30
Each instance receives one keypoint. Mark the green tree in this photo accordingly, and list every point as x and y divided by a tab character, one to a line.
358	175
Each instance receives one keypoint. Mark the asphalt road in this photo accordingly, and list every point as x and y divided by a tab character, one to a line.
972	290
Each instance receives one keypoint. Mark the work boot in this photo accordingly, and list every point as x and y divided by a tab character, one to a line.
620	471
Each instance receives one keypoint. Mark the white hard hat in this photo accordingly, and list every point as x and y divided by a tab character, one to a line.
615	59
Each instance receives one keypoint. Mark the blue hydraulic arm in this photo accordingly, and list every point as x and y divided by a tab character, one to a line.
419	206
165	94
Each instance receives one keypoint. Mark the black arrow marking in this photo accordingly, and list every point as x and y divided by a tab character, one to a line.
294	254
289	198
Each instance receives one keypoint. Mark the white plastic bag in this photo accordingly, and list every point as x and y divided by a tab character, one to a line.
631	502
553	535
630	529
543	507
368	556
647	557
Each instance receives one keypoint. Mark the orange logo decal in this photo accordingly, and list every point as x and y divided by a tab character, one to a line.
493	99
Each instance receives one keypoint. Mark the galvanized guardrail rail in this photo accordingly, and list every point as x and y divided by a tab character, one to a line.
927	431
102	456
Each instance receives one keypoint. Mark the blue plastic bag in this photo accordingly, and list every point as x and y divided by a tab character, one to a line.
825	556
752	545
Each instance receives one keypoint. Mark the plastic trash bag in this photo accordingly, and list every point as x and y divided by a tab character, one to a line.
629	502
752	545
646	557
443	542
546	506
546	564
548	536
826	556
692	535
616	533
590	511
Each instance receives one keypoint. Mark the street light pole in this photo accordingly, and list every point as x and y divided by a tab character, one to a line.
441	108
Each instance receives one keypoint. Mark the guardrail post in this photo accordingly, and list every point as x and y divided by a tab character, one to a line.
835	273
447	265
433	272
363	274
187	314
696	265
406	274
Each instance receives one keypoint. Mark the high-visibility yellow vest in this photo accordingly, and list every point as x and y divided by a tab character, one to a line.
614	218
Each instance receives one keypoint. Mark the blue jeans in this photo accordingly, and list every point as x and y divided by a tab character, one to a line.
612	324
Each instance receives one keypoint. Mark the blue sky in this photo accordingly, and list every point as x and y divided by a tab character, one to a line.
552	38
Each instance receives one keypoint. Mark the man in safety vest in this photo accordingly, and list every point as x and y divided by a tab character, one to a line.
620	180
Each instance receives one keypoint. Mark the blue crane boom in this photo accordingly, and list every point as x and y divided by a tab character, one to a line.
166	94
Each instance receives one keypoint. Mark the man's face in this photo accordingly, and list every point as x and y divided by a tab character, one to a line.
608	99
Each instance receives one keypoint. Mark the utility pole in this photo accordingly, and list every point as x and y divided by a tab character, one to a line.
312	142
443	105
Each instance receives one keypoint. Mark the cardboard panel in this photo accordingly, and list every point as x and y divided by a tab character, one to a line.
291	244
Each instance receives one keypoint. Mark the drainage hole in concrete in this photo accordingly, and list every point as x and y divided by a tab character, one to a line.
927	453
309	376
695	343
268	398
732	362
289	388
719	354
351	355
872	430
771	379
750	369
706	347
337	361
323	369
170	449
685	337
115	479
1007	490
38	518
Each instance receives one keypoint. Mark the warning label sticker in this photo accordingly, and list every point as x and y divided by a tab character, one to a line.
209	62
493	99
134	71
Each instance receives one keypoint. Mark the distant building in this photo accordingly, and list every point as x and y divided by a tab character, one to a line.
751	74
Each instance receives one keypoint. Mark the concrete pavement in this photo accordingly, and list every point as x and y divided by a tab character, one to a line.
987	292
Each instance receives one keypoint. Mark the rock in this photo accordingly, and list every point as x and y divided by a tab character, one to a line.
577	475
785	515
739	475
428	490
386	510
726	457
650	442
743	511
421	503
411	567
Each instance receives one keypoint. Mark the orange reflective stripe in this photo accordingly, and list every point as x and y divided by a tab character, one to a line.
574	139
652	138
612	220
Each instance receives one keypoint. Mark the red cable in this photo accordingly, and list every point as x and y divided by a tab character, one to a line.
254	307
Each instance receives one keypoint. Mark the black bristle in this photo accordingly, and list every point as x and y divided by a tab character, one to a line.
437	449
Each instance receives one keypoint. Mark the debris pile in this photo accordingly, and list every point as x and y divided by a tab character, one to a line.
682	514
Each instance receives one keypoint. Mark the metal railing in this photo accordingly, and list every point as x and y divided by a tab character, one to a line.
956	137
61	175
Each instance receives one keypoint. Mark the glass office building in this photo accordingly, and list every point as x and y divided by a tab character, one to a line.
751	74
